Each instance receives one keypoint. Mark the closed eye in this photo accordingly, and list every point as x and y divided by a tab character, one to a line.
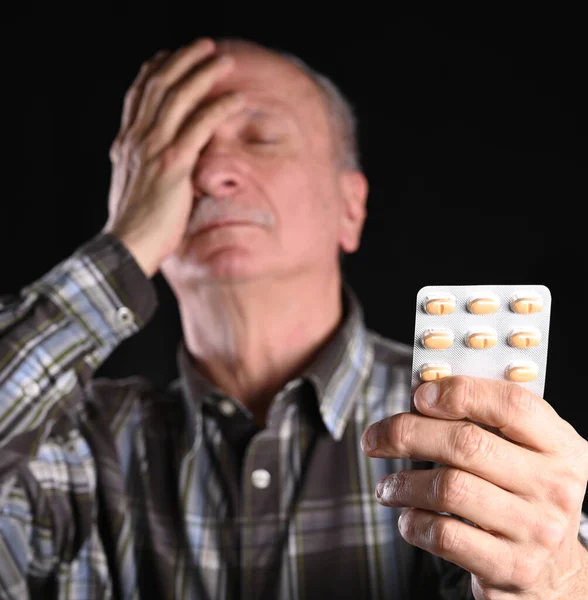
264	140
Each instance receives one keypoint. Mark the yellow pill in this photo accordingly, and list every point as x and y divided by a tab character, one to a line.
437	339
522	371
438	304
528	337
526	304
433	371
481	339
483	305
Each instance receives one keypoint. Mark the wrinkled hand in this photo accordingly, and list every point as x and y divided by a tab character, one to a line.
165	125
520	487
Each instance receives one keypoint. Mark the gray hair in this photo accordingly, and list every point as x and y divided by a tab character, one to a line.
339	110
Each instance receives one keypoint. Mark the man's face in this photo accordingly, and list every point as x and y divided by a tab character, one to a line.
270	198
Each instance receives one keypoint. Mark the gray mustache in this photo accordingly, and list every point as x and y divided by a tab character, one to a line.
209	210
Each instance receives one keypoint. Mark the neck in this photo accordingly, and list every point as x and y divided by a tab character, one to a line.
250	339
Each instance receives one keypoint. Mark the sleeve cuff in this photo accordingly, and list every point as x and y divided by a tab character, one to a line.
103	287
134	289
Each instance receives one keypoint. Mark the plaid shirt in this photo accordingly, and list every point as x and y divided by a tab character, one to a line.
117	489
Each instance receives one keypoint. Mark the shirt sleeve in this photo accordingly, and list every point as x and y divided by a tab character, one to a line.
49	546
15	533
53	336
57	332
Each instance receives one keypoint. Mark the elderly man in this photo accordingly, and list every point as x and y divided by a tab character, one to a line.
256	474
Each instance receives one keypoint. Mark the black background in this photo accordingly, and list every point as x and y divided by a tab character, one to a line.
472	134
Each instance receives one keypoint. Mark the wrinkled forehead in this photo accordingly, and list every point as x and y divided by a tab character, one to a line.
265	75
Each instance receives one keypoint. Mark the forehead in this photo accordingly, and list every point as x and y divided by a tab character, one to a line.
268	78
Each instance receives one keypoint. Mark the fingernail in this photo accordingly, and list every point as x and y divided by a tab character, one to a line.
368	440
429	394
402	522
380	490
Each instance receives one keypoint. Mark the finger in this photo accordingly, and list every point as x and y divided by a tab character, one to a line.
463	494
136	88
200	127
519	414
160	83
484	555
181	102
133	96
459	444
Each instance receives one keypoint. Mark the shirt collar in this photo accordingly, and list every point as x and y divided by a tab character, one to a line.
338	374
340	371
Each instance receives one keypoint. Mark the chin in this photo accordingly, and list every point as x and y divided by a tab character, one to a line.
232	266
225	265
230	253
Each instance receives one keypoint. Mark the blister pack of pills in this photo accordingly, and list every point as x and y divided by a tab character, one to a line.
490	331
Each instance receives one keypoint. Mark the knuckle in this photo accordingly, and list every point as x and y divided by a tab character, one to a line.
443	536
566	492
519	402
137	154
134	161
526	570
457	394
471	443
551	529
131	142
397	430
452	488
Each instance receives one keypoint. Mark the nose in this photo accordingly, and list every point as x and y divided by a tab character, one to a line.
217	173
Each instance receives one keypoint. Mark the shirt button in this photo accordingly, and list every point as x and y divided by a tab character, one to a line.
260	478
125	315
32	388
227	408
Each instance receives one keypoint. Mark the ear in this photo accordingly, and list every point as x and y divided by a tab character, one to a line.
354	189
